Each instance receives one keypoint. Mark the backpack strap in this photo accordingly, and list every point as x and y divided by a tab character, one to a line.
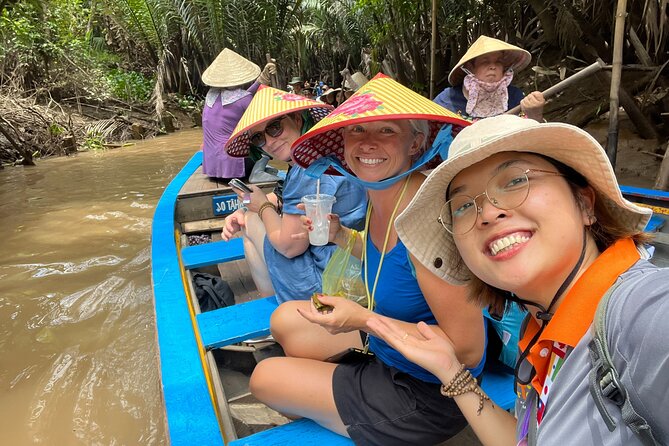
604	381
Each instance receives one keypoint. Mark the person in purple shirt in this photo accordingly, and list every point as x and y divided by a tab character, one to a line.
224	105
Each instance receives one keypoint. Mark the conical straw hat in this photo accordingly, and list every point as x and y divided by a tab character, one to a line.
382	98
517	57
333	91
267	104
359	79
229	69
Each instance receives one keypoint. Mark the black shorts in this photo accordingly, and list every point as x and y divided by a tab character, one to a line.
382	406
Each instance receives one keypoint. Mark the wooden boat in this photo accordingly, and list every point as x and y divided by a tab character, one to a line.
204	368
204	361
658	225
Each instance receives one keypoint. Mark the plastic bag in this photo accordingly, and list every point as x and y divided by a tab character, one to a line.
343	275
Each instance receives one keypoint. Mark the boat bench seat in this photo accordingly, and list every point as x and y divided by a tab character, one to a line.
237	323
654	224
212	253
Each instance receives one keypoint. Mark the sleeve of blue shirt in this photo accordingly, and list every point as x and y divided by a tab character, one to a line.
298	184
452	99
351	197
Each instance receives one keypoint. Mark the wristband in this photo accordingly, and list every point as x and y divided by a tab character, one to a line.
264	206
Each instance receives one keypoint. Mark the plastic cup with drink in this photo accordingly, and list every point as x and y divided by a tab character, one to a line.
317	208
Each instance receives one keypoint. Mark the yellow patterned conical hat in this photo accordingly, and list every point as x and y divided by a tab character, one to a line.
380	99
516	57
267	104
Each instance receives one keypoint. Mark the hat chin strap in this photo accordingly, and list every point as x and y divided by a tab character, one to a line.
440	147
545	315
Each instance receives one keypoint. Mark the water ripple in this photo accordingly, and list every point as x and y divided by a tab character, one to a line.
48	269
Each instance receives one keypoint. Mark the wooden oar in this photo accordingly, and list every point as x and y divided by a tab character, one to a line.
585	72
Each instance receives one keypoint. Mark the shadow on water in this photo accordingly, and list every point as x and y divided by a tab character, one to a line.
77	338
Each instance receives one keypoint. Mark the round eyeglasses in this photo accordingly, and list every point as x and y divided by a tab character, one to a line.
273	128
506	190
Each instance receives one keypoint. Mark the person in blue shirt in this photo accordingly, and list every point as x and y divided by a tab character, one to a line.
480	82
281	265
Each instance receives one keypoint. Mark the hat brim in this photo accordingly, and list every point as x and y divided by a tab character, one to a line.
426	238
382	99
239	147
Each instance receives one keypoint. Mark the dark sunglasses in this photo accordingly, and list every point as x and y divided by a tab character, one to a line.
273	128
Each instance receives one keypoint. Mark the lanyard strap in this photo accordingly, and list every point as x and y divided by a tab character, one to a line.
370	297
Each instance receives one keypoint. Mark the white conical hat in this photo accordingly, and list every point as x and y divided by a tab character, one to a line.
229	69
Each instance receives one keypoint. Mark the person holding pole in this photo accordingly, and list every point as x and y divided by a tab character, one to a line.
481	82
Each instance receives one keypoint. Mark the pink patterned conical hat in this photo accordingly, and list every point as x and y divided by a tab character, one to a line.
382	98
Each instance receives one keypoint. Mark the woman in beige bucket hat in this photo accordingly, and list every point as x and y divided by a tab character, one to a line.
480	82
531	213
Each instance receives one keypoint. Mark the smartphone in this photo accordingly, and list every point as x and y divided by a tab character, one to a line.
238	184
321	307
350	356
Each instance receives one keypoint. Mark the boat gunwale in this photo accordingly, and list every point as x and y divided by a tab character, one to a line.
189	410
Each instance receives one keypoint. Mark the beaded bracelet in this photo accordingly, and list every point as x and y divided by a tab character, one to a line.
264	206
464	382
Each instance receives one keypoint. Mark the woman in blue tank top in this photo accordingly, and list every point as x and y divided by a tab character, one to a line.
382	399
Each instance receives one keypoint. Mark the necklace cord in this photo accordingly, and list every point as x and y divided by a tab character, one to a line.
545	315
370	297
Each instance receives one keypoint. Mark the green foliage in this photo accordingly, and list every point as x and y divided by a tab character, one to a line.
188	102
55	129
100	47
130	86
94	141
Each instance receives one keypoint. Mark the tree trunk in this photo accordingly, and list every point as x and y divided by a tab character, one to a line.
639	49
619	34
433	48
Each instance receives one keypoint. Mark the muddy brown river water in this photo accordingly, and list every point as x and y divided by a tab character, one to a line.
79	362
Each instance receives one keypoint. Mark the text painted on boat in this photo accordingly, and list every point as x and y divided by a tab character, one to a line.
225	204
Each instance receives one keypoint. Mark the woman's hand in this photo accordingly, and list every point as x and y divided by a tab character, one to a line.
233	224
308	225
345	315
429	350
254	200
533	106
